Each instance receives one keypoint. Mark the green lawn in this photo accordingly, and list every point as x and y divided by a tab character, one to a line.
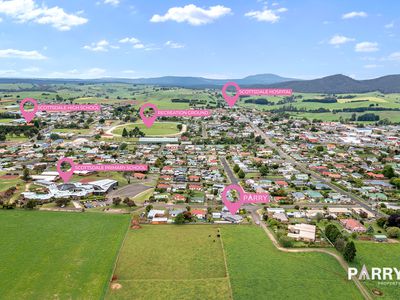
259	271
158	128
379	255
50	255
171	262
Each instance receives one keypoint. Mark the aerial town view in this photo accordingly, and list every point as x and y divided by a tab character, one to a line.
199	149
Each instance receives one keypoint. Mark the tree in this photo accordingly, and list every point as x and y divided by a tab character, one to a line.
370	230
31	204
319	217
241	174
388	171
61	202
124	132
116	201
332	233
395	182
236	168
179	219
54	136
381	222
131	203
393	232
264	170
149	208
393	220
25	175
350	251
340	244
179	126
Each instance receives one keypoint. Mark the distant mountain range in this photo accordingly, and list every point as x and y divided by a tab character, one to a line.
330	84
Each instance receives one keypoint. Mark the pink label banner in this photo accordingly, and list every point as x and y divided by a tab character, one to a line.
231	100
66	175
29	115
149	121
244	198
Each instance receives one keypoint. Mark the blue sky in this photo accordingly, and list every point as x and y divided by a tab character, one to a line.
217	39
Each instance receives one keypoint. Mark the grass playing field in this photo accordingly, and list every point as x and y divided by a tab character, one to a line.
158	128
50	255
379	255
171	262
258	270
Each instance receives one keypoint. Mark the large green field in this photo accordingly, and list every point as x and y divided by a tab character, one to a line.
171	262
183	262
158	128
259	271
379	255
50	255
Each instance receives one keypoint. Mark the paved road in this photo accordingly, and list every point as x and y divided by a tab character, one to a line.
130	190
304	168
204	131
229	171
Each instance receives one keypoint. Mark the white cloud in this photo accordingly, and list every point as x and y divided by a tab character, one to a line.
174	45
14	53
130	40
192	14
112	2
28	11
31	70
372	66
355	14
395	56
366	47
138	46
100	46
339	40
129	71
94	72
8	72
389	25
266	15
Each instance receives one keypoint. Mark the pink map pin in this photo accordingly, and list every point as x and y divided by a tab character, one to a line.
232	206
148	121
28	115
65	176
230	100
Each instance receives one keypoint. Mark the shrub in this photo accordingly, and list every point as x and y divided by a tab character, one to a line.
393	232
286	241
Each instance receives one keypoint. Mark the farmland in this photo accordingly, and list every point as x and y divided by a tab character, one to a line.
171	262
257	268
47	255
389	256
166	262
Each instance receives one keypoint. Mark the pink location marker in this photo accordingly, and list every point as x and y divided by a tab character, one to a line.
232	206
244	198
65	176
148	121
28	115
230	100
